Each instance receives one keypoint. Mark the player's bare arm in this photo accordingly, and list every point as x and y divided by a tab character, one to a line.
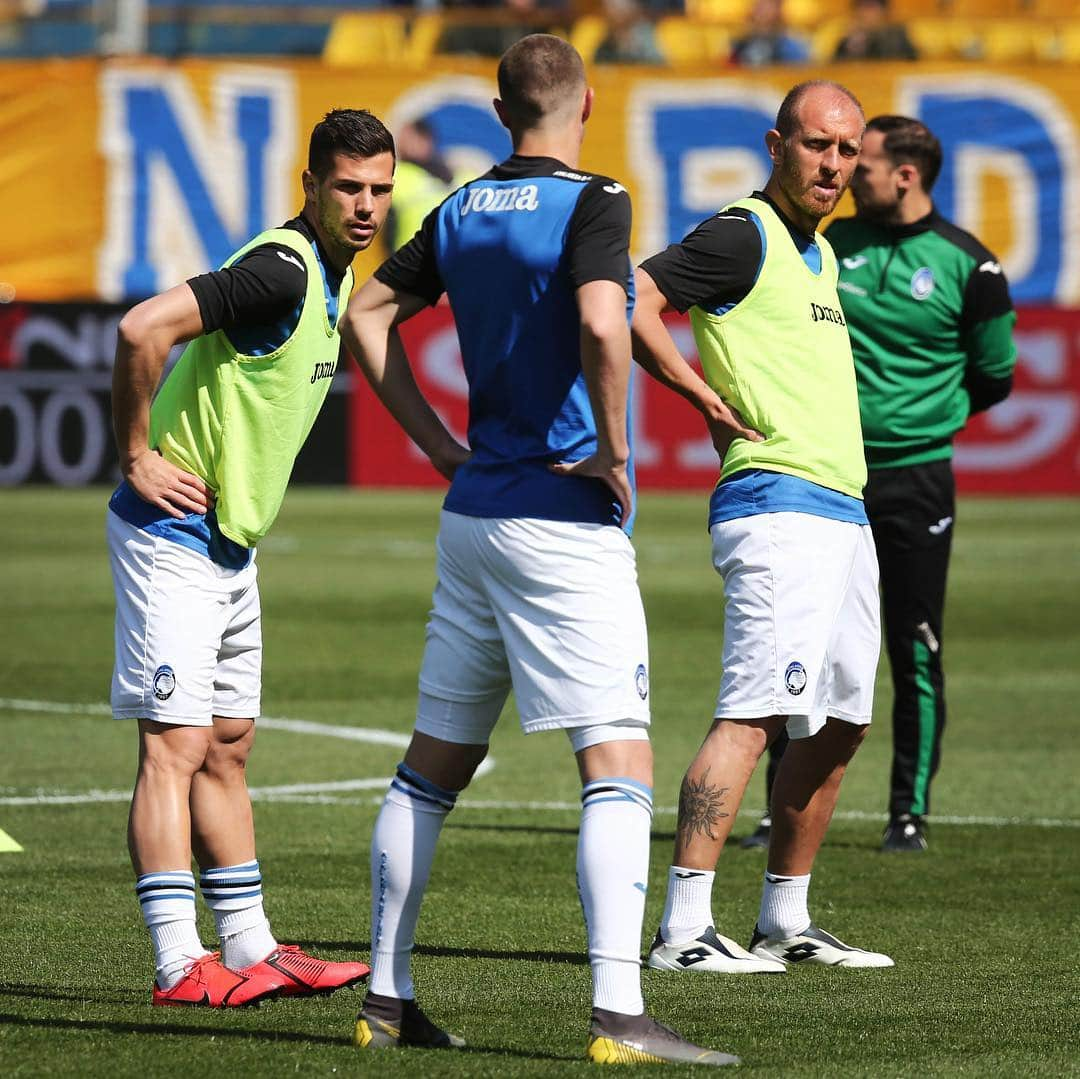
144	337
369	330
605	363
655	351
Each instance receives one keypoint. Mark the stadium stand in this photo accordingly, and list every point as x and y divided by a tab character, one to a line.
687	42
356	33
1012	41
938	37
378	37
587	33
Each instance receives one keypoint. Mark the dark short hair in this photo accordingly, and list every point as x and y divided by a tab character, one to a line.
786	117
910	142
536	75
355	132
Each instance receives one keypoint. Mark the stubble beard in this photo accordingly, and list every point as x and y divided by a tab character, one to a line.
335	230
817	207
875	211
800	193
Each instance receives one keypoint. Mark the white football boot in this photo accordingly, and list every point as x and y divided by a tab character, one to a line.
712	953
815	947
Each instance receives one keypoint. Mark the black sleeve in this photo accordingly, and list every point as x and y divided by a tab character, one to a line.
985	392
986	325
598	241
412	268
986	294
716	265
261	288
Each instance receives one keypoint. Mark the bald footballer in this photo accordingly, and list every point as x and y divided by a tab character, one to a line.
789	531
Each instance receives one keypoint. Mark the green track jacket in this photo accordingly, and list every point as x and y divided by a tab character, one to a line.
931	321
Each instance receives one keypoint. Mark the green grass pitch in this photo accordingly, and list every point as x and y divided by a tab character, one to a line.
984	926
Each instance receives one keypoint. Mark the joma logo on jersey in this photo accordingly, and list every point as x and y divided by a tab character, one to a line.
494	200
323	370
826	314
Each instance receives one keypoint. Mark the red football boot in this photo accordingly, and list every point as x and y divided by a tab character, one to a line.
303	975
206	983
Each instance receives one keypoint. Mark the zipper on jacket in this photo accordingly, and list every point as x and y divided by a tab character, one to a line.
885	268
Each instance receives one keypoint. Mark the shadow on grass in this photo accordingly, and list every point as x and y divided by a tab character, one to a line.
170	1030
101	995
174	1031
542	829
440	952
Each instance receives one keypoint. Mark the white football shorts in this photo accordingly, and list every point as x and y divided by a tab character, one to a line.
550	609
801	622
188	632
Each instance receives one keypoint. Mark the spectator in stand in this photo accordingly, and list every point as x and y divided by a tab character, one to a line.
422	180
510	20
874	36
767	40
631	38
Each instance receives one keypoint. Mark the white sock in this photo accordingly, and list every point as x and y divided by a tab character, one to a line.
688	909
783	906
402	850
168	908
234	895
612	872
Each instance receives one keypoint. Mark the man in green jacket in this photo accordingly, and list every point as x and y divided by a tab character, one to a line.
931	323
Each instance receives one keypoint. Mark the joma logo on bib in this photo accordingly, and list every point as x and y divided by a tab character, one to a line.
826	314
495	200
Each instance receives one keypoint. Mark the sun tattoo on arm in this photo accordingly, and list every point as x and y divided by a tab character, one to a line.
700	807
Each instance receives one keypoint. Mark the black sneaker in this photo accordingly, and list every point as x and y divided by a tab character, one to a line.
759	838
389	1023
906	832
615	1038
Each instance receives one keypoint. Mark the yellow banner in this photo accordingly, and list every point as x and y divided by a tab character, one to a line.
120	179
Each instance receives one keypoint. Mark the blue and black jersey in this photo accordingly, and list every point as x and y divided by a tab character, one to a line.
510	249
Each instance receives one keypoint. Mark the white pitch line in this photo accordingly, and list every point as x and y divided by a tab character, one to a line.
11	704
326	793
331	730
671	811
86	798
371	735
321	794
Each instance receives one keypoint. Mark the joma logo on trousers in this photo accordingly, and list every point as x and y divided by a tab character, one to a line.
494	200
826	314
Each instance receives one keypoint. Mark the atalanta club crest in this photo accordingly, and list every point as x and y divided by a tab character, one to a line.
164	682
641	680
922	283
795	678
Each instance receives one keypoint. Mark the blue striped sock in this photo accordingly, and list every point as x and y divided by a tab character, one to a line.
234	895
167	899
415	786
